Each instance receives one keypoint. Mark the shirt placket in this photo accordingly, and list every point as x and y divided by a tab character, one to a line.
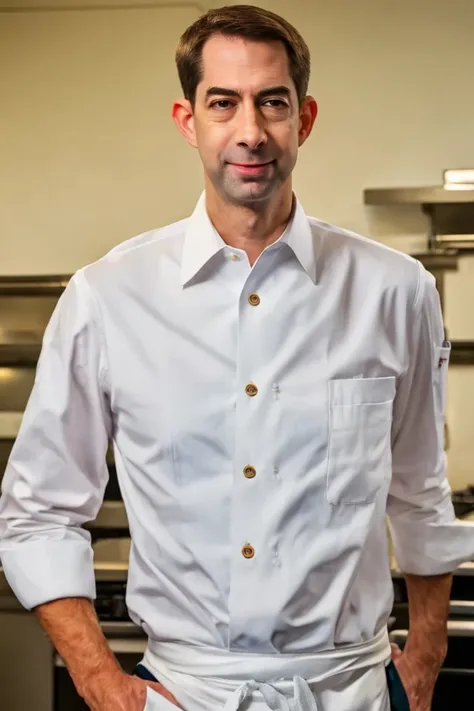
250	557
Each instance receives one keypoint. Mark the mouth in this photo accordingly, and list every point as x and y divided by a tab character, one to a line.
252	168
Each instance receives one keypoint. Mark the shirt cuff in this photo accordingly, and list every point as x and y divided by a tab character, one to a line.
42	571
429	548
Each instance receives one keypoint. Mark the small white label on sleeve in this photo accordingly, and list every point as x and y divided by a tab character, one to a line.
443	353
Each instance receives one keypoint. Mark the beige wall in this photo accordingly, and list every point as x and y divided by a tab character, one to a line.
90	155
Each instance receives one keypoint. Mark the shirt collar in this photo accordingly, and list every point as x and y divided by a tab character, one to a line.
202	241
299	237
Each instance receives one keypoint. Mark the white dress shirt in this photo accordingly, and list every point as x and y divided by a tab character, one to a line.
264	421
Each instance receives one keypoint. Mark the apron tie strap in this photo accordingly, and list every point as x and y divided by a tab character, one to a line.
303	699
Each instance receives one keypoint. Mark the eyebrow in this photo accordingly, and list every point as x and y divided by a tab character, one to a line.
270	91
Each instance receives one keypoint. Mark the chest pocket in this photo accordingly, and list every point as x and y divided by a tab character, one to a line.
359	456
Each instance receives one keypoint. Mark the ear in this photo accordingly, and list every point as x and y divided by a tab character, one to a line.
183	116
308	113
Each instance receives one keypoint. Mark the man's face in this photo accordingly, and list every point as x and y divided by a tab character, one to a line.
247	124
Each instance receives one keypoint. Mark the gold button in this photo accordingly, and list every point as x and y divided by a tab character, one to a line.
248	551
254	299
250	471
235	257
251	390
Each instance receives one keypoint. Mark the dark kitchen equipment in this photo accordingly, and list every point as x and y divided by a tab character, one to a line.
455	684
463	501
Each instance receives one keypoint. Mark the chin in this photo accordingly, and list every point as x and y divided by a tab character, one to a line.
251	192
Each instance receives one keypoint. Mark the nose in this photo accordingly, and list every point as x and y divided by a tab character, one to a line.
250	128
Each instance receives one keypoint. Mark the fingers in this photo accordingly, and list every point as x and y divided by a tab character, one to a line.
396	651
160	689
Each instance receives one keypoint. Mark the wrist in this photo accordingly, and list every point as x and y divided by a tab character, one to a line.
92	686
428	648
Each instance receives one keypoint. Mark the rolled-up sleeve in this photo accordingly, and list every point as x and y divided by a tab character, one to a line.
427	538
56	475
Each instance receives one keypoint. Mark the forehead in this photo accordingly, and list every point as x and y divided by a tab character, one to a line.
244	65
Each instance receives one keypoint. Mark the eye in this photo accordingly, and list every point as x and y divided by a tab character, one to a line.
276	103
221	104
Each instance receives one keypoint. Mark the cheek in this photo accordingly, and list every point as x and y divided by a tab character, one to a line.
287	138
212	142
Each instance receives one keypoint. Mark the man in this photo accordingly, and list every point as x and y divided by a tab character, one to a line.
273	385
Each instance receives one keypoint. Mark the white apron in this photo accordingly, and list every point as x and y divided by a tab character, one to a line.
209	679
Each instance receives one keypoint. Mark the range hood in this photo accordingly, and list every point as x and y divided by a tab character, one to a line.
450	236
457	189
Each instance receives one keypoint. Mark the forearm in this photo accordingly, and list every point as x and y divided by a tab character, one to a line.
428	607
74	629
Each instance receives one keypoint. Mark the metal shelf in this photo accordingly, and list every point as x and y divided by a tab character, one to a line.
462	353
418	196
33	285
446	261
24	355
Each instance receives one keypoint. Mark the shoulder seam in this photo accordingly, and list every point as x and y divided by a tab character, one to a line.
415	307
418	291
97	318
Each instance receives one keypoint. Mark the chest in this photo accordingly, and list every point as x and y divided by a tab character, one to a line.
180	361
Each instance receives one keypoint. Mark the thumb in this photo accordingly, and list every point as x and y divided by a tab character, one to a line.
396	651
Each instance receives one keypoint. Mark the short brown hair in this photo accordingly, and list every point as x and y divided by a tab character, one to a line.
249	22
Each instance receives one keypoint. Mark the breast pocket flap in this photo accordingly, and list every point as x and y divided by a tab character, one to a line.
361	391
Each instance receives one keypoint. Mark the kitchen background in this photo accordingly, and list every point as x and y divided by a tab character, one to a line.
89	156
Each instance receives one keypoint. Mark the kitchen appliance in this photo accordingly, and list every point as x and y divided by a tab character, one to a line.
449	209
463	502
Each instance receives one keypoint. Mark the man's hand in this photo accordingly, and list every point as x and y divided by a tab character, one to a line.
75	631
427	643
418	674
122	692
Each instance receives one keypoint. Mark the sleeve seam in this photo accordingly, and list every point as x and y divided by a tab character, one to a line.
104	380
415	309
417	299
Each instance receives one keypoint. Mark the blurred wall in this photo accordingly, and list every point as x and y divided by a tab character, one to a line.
90	156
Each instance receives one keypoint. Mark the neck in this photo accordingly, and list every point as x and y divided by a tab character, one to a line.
248	228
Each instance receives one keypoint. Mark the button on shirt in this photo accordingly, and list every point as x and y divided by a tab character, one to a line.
330	390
